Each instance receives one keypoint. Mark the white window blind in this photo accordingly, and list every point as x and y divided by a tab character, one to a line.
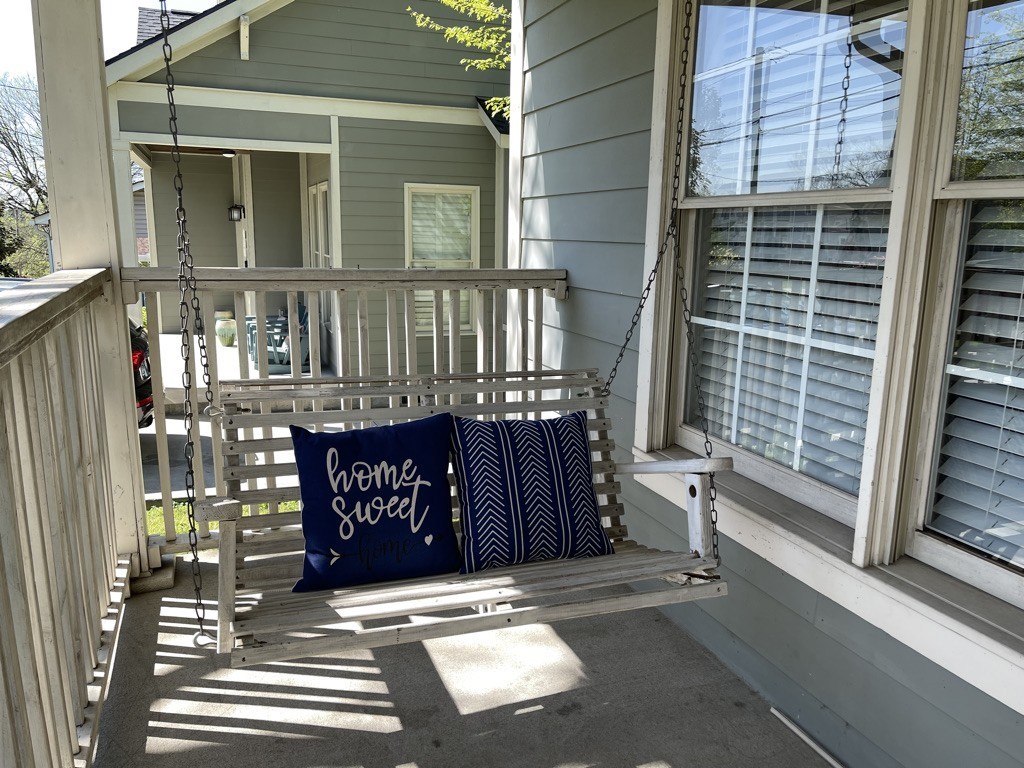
441	236
979	478
787	311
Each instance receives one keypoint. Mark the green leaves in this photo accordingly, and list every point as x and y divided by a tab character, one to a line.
492	36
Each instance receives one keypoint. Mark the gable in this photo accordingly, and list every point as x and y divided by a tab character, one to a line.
352	49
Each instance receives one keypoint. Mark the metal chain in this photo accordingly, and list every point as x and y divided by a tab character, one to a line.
188	300
844	103
671	239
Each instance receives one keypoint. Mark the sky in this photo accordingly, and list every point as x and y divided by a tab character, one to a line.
17	53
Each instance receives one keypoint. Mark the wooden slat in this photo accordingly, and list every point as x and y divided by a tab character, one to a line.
160	418
344	362
411	349
363	325
437	327
137	279
356	415
417	632
279	611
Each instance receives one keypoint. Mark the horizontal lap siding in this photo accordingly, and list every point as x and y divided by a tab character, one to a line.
377	159
586	136
869	699
356	49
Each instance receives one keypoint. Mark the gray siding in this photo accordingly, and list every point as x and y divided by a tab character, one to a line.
225	123
277	215
208	193
360	49
139	213
377	159
868	699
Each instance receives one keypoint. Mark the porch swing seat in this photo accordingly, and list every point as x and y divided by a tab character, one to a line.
261	550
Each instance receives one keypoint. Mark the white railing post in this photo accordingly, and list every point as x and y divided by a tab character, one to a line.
77	147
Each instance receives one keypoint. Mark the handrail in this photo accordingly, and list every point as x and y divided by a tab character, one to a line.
32	310
138	279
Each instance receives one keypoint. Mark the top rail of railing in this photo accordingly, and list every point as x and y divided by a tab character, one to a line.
30	311
135	280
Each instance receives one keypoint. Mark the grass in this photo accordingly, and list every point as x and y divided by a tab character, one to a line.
155	516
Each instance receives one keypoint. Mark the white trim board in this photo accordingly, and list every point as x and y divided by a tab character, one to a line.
191	38
952	624
290	103
222	142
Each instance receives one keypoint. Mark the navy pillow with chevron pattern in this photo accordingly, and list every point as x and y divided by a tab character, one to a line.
526	489
376	503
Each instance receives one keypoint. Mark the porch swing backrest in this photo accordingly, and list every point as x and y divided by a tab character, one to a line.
261	547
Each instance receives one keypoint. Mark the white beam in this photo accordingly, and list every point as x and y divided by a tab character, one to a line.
76	143
243	37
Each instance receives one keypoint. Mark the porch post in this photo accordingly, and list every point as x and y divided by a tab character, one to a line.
80	180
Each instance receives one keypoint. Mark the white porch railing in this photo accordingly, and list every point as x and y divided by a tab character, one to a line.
352	322
58	556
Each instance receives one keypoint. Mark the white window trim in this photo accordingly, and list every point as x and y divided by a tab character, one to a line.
972	634
469	327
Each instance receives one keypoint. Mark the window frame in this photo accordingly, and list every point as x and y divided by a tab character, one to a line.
474	262
918	290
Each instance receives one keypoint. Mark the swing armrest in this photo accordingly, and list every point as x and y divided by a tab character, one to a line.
218	508
678	466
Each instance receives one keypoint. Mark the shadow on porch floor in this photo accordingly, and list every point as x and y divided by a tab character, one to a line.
620	690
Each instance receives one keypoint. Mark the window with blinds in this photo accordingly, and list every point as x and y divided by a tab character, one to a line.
979	476
442	233
795	96
787	311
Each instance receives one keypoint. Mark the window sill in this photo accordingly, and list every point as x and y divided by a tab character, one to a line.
973	635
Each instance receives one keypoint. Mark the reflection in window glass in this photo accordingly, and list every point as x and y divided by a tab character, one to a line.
979	485
775	92
989	137
787	317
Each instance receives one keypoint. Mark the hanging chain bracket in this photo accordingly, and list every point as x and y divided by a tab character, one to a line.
671	240
188	302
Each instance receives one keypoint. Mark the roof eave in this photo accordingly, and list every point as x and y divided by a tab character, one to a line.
190	36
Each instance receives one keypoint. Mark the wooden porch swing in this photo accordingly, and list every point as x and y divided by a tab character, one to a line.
261	620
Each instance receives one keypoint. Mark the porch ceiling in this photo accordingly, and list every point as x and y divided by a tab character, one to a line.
618	690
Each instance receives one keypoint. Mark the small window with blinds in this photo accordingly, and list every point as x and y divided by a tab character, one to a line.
442	232
786	313
979	476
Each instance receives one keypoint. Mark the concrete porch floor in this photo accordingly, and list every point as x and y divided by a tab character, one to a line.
621	690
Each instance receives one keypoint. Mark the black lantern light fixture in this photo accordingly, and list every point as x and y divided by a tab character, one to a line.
236	212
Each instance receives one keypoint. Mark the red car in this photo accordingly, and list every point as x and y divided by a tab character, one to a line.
142	374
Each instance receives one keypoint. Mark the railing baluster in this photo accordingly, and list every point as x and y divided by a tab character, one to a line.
455	333
20	638
345	333
412	358
160	416
438	329
363	331
480	318
391	318
262	340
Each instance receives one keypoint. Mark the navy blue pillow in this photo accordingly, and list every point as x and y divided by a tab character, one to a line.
376	503
526	489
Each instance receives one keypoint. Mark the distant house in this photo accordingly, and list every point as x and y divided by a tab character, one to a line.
349	138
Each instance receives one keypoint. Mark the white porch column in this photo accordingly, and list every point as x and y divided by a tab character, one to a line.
77	146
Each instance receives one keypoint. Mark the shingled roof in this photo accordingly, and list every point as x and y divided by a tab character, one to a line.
149	22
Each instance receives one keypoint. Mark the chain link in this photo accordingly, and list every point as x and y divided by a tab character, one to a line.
844	103
670	240
188	301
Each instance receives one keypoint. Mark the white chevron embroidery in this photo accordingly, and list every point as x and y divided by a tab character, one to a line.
485	497
538	511
591	539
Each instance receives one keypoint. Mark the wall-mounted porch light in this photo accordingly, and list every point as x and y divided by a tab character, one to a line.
236	212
